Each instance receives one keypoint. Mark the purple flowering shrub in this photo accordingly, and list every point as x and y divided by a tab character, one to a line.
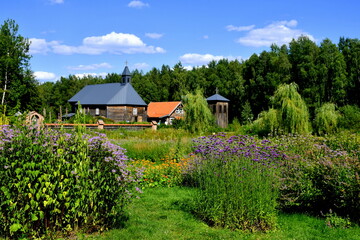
237	181
320	179
55	181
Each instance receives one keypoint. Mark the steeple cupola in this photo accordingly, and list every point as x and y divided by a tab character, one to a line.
126	75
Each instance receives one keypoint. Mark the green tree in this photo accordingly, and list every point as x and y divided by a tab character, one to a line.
293	112
17	83
326	119
350	48
303	54
332	73
198	117
289	113
246	115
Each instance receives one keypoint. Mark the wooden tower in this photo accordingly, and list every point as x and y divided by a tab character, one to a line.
220	108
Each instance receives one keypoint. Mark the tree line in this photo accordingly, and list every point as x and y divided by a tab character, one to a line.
325	72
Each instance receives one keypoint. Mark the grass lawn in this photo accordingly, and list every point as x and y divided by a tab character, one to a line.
161	213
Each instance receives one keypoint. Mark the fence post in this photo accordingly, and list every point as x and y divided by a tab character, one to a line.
154	125
100	124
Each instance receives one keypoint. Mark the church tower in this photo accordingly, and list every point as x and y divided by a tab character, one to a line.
126	76
220	108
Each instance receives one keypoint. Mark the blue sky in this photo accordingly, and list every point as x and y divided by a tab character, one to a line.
82	37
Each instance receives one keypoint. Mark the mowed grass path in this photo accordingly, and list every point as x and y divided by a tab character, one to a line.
162	213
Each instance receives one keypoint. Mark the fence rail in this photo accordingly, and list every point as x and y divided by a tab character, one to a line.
100	126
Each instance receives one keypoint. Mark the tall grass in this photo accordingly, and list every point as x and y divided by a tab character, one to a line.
237	181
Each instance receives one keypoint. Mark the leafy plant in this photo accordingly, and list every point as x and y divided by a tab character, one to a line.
54	181
316	178
334	221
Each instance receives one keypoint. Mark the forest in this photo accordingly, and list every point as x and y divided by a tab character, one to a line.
324	73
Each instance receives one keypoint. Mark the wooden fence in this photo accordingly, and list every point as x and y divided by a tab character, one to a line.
102	126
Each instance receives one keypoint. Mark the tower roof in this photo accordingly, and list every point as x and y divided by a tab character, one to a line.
218	98
126	71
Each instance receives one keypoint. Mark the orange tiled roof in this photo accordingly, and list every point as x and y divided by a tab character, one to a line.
161	109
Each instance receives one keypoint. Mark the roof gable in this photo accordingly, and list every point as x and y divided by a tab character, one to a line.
162	109
108	94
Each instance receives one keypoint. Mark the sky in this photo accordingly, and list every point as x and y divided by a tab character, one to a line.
97	37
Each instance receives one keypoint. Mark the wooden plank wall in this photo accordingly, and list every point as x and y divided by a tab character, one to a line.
125	113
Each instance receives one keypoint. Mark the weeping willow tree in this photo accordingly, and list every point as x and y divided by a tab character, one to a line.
198	117
289	113
326	119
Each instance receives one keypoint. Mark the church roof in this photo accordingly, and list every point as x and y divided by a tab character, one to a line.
161	109
108	94
217	97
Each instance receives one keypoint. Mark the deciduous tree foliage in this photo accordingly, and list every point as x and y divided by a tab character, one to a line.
198	117
289	113
17	85
326	119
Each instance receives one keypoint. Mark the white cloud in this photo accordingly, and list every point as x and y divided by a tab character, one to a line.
91	66
239	28
113	43
154	35
281	32
137	4
41	46
44	76
202	59
82	75
140	66
205	37
189	67
57	1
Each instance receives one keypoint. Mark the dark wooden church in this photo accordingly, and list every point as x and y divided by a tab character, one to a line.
117	101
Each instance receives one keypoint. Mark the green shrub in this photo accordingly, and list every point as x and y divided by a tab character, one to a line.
237	181
316	178
56	181
334	221
350	117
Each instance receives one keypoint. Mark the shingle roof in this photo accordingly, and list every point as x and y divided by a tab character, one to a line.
217	97
108	94
161	109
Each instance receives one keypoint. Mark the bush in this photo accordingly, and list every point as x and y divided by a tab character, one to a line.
237	181
56	181
350	117
316	178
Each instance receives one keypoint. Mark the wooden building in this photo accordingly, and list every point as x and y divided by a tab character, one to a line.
117	101
165	112
219	106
